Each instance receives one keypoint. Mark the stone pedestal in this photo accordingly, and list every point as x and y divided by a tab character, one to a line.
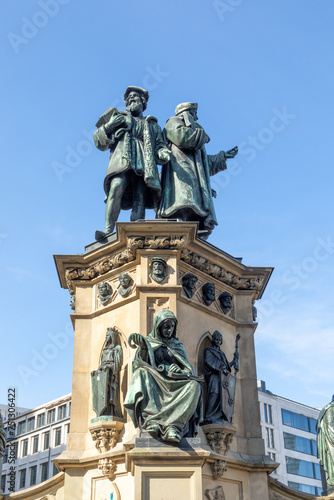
219	436
165	471
105	433
108	457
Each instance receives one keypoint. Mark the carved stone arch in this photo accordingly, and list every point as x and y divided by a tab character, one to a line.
203	343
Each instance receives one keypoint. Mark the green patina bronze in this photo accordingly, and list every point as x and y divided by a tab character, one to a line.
136	147
325	440
164	397
105	380
186	188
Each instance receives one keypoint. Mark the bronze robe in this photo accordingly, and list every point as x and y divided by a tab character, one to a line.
186	178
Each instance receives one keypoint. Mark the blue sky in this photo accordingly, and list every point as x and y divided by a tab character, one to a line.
262	73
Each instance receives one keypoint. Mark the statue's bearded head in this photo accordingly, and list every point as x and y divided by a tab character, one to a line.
136	100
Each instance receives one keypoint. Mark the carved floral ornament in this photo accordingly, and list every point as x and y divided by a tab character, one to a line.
159	242
218	467
215	493
105	439
219	440
107	466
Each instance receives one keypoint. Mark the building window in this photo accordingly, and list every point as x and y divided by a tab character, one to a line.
297	443
33	475
44	471
67	430
54	470
35	445
61	412
51	416
25	448
305	488
302	468
41	420
46	440
270	438
69	408
21	427
272	442
268	414
57	436
23	478
5	458
3	483
299	421
31	424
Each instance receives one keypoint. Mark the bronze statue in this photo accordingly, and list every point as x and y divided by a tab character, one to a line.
164	396
72	302
208	293
159	269
325	440
220	381
105	292
189	281
105	380
126	283
186	188
225	302
136	145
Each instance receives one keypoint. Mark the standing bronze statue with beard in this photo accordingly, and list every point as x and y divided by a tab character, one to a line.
136	147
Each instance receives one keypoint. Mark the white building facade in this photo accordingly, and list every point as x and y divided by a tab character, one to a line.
41	435
289	433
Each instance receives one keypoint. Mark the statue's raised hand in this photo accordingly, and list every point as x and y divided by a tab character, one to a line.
231	153
136	340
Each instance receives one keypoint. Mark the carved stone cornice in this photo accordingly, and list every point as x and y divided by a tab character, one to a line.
108	467
218	467
123	257
122	248
220	273
105	434
219	436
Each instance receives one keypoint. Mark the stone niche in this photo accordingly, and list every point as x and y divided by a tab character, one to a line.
224	462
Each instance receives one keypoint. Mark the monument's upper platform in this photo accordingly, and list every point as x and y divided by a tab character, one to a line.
122	247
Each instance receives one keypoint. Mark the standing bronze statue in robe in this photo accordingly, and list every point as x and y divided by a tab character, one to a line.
136	146
325	440
220	383
105	380
164	396
186	188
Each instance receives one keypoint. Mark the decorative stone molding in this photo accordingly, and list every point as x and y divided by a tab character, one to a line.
216	493
219	273
219	436
160	242
105	434
108	467
218	468
121	258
